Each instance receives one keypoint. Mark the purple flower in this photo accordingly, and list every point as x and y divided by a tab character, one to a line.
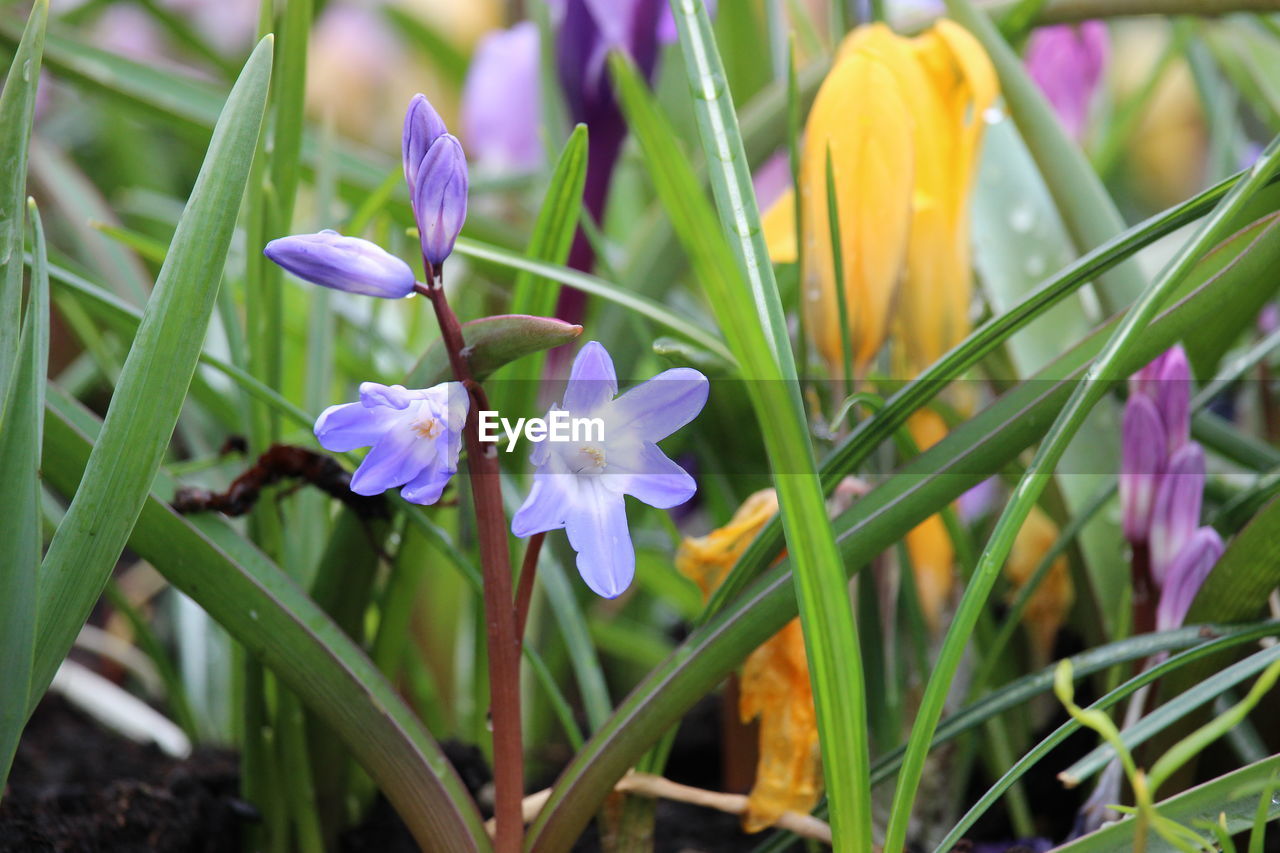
436	170
1186	575
415	435
501	100
1067	62
579	484
1157	425
1175	514
343	263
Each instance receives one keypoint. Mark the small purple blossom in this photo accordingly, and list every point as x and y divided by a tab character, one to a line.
1185	575
436	170
501	100
579	485
1156	425
1067	62
415	436
343	263
1175	515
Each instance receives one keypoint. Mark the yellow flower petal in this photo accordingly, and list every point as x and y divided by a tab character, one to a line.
1050	603
779	224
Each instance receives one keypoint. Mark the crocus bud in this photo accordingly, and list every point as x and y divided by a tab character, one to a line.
1171	386
1186	575
343	263
440	198
422	126
1142	459
1176	512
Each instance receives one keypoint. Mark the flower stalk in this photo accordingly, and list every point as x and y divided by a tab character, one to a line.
499	603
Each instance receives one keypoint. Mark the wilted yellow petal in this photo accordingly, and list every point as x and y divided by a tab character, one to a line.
707	559
775	687
779	224
1050	603
860	117
775	678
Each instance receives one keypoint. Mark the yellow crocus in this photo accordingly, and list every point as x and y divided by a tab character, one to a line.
928	544
901	120
1051	601
775	679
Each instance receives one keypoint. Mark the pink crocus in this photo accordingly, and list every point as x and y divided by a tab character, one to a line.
1067	62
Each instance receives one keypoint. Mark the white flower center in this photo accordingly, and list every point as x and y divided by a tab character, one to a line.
427	427
588	459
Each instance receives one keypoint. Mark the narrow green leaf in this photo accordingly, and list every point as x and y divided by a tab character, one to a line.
17	109
552	238
260	606
288	101
153	383
595	286
492	342
21	434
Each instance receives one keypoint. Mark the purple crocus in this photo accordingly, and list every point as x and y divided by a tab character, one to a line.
436	171
1175	515
415	436
501	100
579	484
1067	62
343	263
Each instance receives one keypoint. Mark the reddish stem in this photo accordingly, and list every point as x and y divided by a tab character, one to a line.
524	588
500	612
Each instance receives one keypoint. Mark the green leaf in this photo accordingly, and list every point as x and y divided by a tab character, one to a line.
491	343
1233	796
21	429
264	609
1245	575
17	109
552	238
153	383
590	284
749	310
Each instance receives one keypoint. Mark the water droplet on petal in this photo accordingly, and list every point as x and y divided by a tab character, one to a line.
993	115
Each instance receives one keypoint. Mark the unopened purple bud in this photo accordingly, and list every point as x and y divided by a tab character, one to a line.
501	100
1067	62
1142	459
440	198
1173	397
1186	575
1176	512
422	127
343	263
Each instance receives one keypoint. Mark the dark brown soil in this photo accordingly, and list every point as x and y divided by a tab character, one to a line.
76	787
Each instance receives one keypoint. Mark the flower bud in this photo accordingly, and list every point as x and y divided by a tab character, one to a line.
1186	575
1142	458
422	127
1067	62
1175	514
343	263
440	197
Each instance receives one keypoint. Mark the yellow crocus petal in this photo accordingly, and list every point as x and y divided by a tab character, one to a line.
779	225
707	559
860	117
1050	603
775	687
929	546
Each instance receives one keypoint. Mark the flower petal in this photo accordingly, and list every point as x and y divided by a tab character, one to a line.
1142	459
429	484
1175	515
592	381
396	459
351	425
657	408
422	126
650	476
545	507
1185	577
396	396
597	528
